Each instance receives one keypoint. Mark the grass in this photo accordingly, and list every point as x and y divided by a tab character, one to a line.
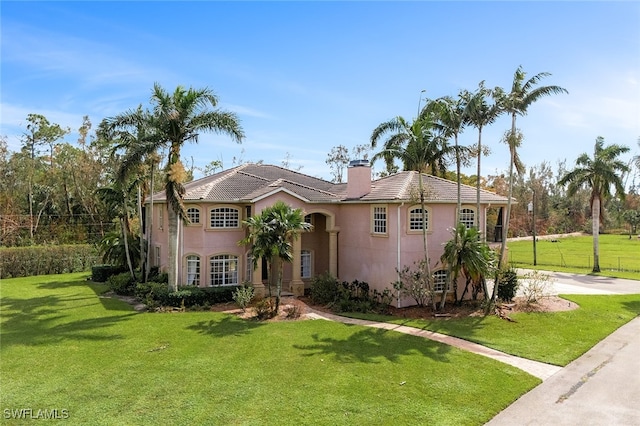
555	338
618	255
64	347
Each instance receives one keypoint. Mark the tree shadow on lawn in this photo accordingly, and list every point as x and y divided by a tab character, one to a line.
226	325
369	345
39	321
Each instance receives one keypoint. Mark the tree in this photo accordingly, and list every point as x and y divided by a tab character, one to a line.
517	102
337	159
480	113
176	118
271	235
466	253
599	174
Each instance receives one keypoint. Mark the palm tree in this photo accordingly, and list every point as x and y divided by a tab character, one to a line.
466	253
176	118
480	113
450	121
599	173
523	94
271	235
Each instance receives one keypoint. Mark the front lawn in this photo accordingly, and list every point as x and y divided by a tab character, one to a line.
554	338
63	347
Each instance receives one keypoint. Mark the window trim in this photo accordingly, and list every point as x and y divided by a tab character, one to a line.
446	282
225	227
429	219
199	212
373	219
473	221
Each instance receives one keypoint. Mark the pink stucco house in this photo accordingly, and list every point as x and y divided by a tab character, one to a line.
362	230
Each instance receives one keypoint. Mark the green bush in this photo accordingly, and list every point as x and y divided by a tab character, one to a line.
155	294
508	285
122	284
45	260
243	296
324	289
100	273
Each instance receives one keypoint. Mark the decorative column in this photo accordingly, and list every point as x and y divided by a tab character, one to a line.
296	286
333	252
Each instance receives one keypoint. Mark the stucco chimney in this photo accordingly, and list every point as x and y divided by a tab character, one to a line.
358	178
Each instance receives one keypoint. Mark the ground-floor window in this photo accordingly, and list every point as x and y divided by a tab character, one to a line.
193	270
439	281
224	270
305	264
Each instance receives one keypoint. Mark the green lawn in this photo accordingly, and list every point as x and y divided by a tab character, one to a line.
63	347
618	255
555	338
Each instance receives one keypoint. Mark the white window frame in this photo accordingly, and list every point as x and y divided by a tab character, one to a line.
223	270
414	219
306	264
468	216
379	219
193	214
440	281
193	268
157	258
226	217
248	273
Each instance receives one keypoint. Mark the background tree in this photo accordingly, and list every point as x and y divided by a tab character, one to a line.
599	174
176	118
338	160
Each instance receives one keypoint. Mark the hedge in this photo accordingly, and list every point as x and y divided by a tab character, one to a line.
44	260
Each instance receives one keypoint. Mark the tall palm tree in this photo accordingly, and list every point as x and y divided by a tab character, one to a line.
177	118
271	236
450	120
522	95
599	173
479	113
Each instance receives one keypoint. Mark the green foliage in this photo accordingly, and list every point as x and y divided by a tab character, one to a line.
416	283
112	249
45	260
508	284
243	296
265	309
156	294
101	273
324	289
122	284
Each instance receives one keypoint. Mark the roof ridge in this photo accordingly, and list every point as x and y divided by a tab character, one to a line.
301	185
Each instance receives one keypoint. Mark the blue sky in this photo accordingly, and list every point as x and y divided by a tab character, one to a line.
307	76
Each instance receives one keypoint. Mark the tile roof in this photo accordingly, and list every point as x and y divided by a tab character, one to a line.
249	182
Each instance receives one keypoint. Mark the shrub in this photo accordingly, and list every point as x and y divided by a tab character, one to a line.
42	260
536	287
122	284
508	285
100	273
324	289
157	294
416	283
293	310
264	309
243	296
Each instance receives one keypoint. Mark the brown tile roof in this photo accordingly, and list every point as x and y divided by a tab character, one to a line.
248	182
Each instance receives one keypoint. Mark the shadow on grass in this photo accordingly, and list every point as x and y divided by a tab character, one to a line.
227	325
40	321
370	345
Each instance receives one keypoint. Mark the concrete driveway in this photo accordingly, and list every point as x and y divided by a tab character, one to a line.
602	387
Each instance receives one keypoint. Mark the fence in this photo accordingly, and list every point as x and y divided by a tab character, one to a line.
607	263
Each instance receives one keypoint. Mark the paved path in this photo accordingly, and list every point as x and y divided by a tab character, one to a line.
602	387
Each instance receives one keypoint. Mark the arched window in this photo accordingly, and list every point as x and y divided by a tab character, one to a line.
223	270
225	217
415	218
440	281
468	217
193	214
193	270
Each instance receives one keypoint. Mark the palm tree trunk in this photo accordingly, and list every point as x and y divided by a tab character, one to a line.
173	249
150	228
141	230
477	215
125	236
595	230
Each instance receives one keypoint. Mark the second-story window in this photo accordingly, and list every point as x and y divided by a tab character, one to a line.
225	217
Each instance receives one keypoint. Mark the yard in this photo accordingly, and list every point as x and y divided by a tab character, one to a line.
64	347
